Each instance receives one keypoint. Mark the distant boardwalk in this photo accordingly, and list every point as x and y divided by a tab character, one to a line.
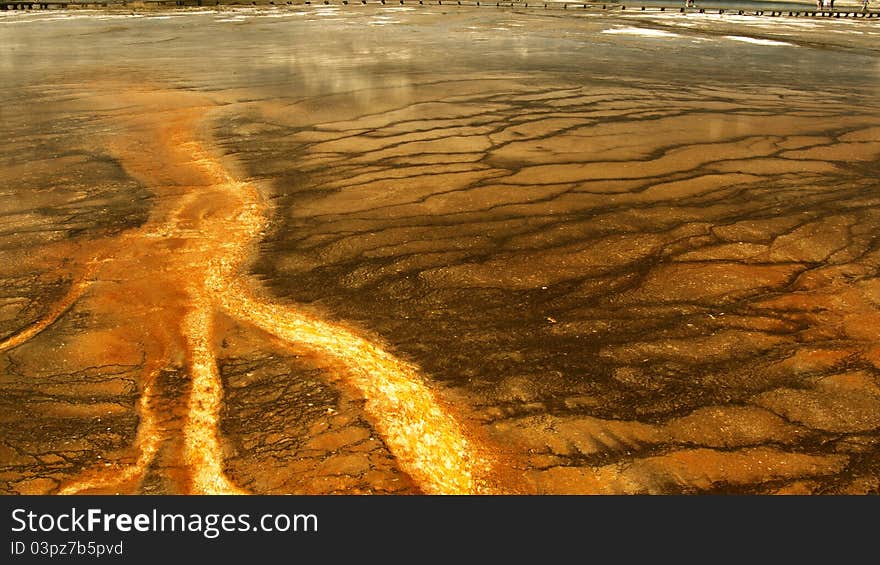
822	8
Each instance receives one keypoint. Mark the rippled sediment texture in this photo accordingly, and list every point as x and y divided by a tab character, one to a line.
543	265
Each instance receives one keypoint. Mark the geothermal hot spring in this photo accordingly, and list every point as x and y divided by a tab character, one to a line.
438	249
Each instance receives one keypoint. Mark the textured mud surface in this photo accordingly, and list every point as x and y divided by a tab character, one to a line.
398	251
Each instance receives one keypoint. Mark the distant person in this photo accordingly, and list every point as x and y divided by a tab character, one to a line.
820	4
864	5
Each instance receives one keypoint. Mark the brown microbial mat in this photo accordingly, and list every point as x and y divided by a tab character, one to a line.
358	249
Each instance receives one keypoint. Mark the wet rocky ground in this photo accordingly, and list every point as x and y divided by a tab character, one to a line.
630	254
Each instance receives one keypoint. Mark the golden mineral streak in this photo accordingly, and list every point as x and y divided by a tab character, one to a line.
202	449
427	442
24	335
148	439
